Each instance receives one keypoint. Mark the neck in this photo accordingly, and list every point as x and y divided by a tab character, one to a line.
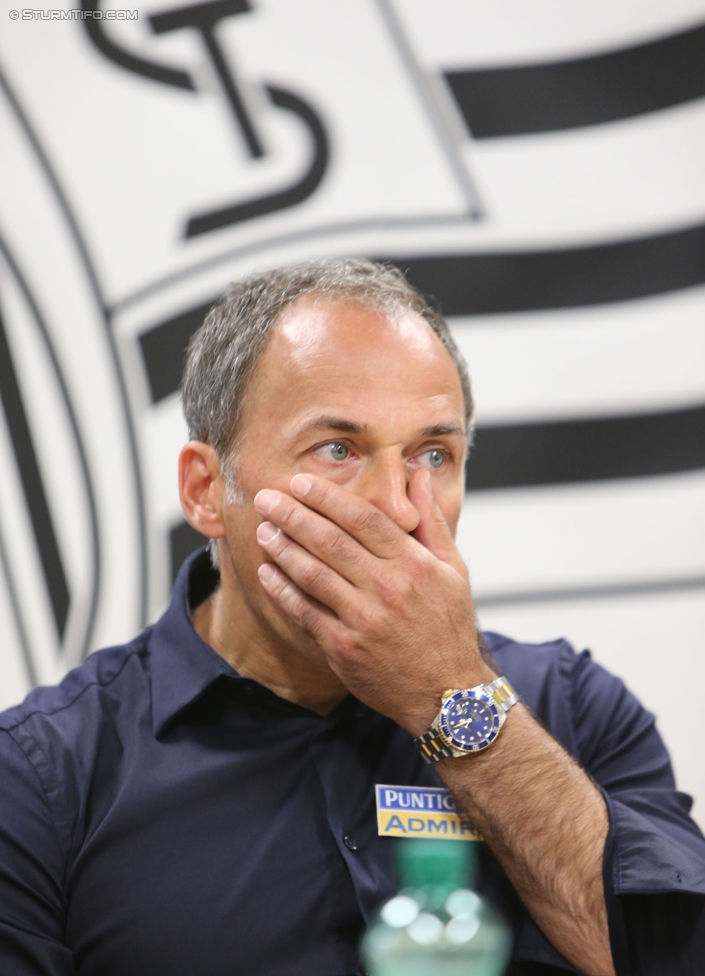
294	669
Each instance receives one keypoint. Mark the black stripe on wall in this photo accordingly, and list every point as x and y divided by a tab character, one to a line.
164	347
569	451
594	591
560	452
40	516
481	284
587	91
184	540
290	196
95	29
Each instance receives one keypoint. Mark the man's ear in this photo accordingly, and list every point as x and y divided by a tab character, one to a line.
202	489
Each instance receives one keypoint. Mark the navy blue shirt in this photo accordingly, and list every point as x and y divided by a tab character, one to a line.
160	814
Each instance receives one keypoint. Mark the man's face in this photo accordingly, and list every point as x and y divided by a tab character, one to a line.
344	394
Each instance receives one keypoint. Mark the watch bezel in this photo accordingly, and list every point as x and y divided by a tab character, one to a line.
448	735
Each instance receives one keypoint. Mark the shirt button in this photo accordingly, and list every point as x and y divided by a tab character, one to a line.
350	842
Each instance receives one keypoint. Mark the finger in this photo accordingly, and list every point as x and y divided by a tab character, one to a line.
317	534
317	622
432	531
305	571
374	530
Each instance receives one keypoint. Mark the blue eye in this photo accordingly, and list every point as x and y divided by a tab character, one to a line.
435	458
339	452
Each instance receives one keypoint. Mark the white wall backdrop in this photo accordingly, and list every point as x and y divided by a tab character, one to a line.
537	166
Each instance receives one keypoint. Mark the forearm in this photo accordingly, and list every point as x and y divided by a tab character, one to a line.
393	615
546	823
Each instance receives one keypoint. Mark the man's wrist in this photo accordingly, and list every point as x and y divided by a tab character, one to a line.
427	709
469	720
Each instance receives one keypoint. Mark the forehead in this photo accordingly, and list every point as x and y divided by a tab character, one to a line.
313	320
330	353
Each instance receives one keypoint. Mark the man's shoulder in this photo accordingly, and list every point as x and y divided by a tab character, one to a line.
553	649
532	665
580	702
94	677
552	667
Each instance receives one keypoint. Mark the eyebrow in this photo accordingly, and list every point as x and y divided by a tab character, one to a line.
438	430
333	423
344	426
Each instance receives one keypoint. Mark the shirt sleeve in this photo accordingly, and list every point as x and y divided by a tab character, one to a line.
31	873
654	864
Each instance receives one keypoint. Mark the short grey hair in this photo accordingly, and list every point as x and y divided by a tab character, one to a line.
224	352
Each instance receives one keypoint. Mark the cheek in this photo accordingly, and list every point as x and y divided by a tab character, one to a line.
339	472
265	467
450	502
241	523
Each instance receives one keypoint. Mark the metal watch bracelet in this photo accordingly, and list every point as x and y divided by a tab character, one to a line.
432	744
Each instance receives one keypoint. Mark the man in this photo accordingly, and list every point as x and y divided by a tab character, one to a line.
202	800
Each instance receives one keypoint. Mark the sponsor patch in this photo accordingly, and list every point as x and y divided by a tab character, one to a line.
420	811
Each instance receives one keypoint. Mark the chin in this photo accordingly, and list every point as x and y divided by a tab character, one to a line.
290	637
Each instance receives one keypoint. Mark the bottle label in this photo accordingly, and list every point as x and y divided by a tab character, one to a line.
420	811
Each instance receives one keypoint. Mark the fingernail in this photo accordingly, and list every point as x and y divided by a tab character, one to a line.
266	500
266	573
301	485
266	532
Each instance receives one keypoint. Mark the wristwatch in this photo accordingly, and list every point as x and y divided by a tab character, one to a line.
469	720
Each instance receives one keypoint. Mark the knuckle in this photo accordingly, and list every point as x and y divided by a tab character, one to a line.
301	612
346	645
385	531
294	515
288	594
278	587
396	584
294	601
387	588
328	541
287	516
359	518
322	490
335	544
370	620
397	593
311	574
310	622
351	553
365	518
278	543
417	566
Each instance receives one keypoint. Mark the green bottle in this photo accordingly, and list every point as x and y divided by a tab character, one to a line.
436	925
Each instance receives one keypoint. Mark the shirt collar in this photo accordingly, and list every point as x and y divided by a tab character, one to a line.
183	665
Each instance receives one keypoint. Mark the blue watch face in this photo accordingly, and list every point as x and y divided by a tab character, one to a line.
470	721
